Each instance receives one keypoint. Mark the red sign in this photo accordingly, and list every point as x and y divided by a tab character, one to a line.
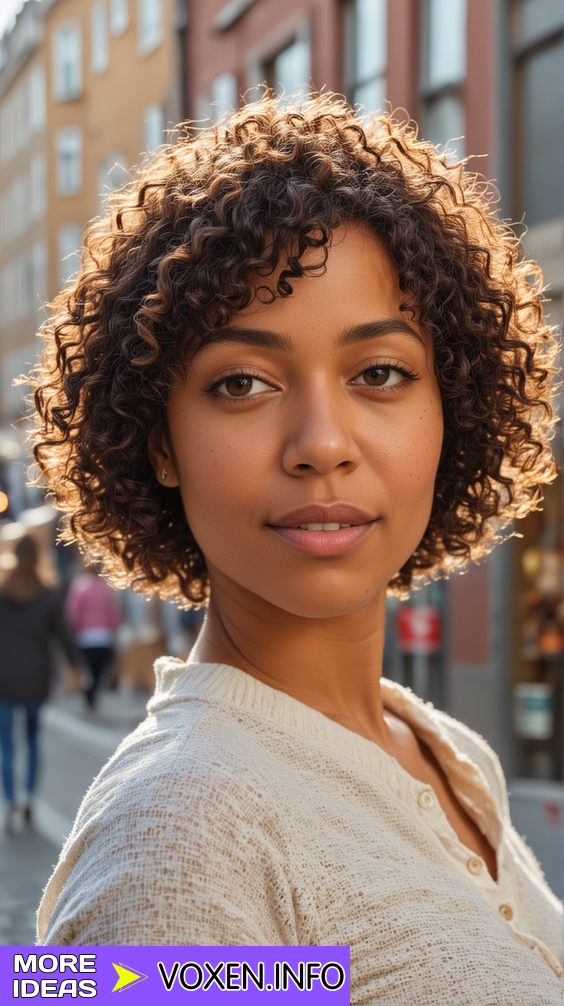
419	629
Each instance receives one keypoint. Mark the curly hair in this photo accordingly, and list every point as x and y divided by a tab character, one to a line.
178	254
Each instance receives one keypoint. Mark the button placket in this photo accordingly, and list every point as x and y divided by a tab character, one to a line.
426	800
475	865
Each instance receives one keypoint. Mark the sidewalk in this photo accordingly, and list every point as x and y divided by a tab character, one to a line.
75	745
26	863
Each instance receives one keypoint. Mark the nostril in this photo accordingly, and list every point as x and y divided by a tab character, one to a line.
304	467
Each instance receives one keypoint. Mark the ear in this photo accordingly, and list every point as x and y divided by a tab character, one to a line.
160	457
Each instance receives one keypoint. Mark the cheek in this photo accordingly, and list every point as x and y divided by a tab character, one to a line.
220	471
406	454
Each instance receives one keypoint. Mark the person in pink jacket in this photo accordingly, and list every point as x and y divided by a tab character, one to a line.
94	614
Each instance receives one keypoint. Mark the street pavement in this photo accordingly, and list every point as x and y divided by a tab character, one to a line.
75	745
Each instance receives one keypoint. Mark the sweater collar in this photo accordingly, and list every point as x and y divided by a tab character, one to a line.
177	681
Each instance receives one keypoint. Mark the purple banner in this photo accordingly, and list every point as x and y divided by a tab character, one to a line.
175	974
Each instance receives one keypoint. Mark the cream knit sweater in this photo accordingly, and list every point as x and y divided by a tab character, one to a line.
235	815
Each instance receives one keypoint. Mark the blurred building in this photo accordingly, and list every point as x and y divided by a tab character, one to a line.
87	89
485	78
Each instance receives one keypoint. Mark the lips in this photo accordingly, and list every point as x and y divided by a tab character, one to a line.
316	513
324	543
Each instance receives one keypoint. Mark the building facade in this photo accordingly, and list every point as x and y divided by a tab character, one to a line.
483	78
87	90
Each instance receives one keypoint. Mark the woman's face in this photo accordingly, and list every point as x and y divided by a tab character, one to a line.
307	435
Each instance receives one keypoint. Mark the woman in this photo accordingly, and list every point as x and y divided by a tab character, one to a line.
342	376
31	620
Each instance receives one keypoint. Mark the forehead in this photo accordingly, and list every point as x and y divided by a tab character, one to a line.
358	285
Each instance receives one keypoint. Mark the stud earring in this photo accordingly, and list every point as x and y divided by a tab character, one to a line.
164	474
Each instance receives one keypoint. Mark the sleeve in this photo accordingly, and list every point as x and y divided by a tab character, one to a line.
194	860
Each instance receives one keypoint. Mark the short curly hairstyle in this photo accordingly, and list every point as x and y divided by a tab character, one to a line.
177	255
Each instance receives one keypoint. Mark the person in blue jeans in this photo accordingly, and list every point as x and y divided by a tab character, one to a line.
31	619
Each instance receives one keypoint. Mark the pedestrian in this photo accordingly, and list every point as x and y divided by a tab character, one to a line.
94	614
302	366
31	620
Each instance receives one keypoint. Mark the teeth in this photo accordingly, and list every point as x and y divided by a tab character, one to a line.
322	527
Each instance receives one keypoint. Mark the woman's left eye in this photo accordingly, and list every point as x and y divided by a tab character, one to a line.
241	386
379	377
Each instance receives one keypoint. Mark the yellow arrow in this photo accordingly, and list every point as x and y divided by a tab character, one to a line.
126	976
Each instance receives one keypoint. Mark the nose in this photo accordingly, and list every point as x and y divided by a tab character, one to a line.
319	438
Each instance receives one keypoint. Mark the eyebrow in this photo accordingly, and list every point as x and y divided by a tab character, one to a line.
376	329
283	343
252	337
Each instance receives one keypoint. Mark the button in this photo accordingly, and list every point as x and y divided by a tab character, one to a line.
426	799
475	865
506	911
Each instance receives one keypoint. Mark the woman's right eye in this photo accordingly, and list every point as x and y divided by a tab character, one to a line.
241	386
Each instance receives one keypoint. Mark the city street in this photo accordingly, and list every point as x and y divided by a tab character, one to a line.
75	745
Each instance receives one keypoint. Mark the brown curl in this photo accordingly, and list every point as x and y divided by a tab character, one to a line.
177	255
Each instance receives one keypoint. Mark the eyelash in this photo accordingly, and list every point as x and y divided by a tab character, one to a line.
211	389
408	373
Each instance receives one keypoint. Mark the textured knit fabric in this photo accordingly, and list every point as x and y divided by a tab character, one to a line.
27	632
235	815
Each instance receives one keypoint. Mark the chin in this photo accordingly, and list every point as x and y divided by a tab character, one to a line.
331	598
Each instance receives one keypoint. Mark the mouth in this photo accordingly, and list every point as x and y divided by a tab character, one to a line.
324	530
321	517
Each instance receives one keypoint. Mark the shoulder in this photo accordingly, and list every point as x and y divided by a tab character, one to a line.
183	818
194	761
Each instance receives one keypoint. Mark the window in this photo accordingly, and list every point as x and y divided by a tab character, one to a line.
150	19
225	95
153	126
14	209
67	62
38	275
289	71
112	174
365	53
443	70
69	161
37	98
100	55
539	19
119	17
24	201
38	188
22	113
23	284
446	53
69	238
539	64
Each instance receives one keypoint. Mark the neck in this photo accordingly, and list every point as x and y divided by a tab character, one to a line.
333	664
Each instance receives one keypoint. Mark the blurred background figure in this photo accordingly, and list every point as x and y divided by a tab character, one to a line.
31	617
94	614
